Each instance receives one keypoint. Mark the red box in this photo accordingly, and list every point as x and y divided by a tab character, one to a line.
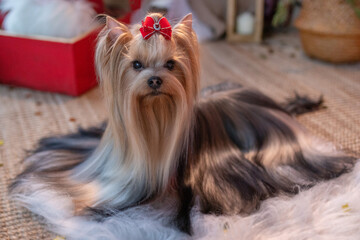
55	65
50	64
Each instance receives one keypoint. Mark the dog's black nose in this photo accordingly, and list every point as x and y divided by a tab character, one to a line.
154	82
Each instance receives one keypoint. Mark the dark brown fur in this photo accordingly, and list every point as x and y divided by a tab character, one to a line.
218	169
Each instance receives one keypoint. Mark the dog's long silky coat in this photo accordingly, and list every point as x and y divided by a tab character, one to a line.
229	149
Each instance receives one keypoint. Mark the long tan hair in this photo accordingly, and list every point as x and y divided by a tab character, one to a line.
145	134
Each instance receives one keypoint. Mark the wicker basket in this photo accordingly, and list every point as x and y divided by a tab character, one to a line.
329	30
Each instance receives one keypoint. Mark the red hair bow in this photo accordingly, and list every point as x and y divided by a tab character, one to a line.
149	27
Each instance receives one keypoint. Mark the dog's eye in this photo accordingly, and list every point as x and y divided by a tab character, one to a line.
137	65
170	65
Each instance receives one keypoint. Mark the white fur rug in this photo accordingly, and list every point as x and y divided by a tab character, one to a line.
330	210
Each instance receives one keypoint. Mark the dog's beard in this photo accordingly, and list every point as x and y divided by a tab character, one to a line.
156	125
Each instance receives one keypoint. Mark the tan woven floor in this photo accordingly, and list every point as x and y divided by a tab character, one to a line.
277	68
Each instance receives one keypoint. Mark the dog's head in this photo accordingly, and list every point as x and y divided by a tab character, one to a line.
154	72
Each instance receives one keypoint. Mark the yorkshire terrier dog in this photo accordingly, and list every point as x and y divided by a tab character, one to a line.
226	151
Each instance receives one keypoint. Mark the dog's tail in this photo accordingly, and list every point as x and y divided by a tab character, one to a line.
300	104
296	105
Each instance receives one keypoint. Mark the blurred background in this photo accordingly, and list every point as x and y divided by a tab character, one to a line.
43	30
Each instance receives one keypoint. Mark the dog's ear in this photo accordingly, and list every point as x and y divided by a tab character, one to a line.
185	38
116	29
185	24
